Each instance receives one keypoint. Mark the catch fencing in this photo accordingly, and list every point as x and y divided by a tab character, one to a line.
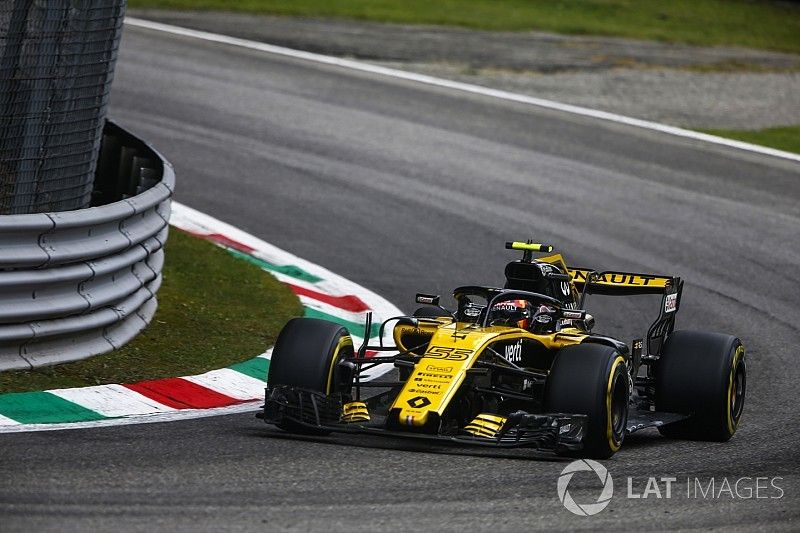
57	61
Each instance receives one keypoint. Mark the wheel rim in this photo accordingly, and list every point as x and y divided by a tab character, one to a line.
619	404
738	387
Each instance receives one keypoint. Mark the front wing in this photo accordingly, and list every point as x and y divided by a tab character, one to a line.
548	432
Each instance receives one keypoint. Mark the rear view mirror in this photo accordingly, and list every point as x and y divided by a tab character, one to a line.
572	314
577	314
428	299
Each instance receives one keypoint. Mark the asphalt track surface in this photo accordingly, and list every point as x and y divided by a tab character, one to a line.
405	188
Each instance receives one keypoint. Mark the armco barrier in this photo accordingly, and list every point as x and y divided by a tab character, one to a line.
79	283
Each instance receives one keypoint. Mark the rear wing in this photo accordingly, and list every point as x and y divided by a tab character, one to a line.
614	283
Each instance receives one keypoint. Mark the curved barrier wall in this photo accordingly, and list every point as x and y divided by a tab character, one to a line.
79	283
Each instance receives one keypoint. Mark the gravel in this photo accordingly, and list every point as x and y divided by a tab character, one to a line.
736	100
688	86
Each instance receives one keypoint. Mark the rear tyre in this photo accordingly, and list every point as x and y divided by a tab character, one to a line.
306	354
703	375
591	380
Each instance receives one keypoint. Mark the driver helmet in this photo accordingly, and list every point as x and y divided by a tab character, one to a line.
514	313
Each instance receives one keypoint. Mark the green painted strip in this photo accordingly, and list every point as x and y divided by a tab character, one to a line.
352	327
43	408
288	270
255	368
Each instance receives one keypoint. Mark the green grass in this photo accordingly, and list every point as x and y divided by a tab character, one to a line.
784	138
213	310
766	24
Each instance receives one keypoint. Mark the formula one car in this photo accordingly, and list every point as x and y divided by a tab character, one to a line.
512	367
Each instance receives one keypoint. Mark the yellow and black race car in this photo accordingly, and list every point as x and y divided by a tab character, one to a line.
514	366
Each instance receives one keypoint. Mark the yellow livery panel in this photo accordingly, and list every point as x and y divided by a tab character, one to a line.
438	375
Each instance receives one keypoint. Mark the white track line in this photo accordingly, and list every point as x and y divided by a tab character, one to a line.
458	86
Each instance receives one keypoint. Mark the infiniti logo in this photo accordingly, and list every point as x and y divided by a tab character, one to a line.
585	509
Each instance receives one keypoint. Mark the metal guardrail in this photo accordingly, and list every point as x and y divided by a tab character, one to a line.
79	283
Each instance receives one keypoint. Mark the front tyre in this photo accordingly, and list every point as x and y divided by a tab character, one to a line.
703	375
591	380
306	355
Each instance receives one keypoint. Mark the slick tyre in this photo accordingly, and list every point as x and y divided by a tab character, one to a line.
305	355
592	380
703	375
